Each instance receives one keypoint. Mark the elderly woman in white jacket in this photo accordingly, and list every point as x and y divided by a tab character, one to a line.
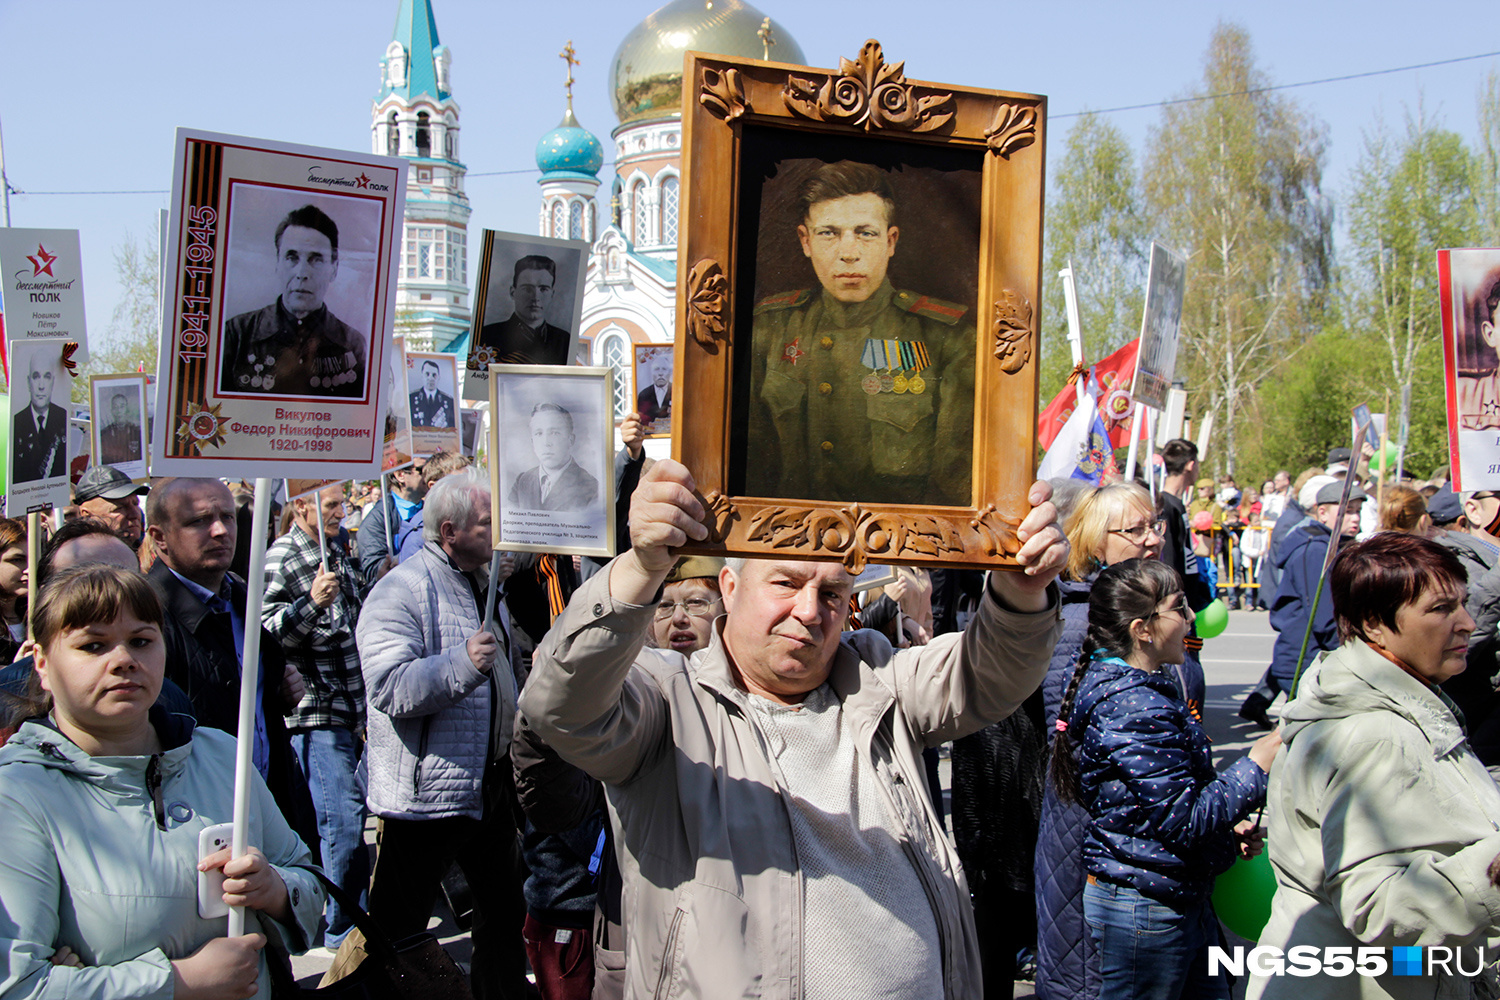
1384	826
101	805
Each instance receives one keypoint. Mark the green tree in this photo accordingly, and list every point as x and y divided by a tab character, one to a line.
131	339
1233	181
1094	221
1411	196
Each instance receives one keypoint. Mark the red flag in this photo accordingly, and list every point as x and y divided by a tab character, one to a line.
1110	381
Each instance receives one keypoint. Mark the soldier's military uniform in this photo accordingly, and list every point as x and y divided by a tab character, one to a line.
254	341
515	343
827	425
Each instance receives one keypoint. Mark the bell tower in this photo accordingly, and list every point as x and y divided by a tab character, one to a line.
414	115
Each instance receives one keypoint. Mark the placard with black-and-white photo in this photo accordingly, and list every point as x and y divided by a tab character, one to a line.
280	309
653	388
1469	300
1160	324
431	394
397	453
38	456
553	478
528	305
119	435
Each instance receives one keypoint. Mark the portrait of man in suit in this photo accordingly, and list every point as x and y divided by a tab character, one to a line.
526	338
654	401
120	439
39	431
431	406
557	482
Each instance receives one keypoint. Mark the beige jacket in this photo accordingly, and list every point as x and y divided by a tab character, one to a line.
713	894
1383	825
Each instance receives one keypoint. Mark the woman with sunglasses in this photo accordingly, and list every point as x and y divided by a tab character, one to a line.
1105	526
1162	822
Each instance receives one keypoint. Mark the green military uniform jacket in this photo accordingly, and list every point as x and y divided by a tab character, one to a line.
816	433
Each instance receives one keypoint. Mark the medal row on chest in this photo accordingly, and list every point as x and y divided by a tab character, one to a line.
897	358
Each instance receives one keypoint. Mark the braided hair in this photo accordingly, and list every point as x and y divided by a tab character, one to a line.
1122	593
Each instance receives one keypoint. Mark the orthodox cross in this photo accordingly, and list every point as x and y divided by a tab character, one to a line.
766	40
569	56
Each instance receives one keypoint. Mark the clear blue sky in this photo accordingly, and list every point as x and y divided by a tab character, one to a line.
91	90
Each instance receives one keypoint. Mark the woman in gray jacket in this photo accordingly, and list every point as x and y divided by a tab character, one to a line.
1384	826
104	800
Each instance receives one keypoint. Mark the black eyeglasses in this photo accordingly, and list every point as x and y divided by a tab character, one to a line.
1139	532
698	607
1179	608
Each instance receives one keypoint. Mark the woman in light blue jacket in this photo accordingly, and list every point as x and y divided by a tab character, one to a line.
103	801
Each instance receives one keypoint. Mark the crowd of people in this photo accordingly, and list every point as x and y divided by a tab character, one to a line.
683	776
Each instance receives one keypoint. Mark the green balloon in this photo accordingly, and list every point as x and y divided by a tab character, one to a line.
1242	896
1391	452
1213	619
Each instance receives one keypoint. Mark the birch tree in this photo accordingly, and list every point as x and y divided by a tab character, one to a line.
1233	179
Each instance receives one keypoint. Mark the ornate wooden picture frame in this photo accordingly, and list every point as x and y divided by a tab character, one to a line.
837	409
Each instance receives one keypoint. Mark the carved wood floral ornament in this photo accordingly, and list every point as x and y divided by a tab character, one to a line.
870	94
739	102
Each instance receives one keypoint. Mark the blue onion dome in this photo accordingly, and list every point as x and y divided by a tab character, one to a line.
570	149
646	75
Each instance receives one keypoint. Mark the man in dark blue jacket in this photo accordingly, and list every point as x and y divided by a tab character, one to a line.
1298	597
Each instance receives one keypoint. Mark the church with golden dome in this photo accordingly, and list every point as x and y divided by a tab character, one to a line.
630	296
631	287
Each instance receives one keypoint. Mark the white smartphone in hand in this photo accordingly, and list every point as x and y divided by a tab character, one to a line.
211	883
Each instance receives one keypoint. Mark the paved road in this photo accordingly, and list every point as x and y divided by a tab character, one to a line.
1233	663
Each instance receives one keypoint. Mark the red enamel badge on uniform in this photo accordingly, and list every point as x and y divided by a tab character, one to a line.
792	352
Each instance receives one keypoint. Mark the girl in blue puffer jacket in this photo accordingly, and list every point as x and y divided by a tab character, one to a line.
1162	822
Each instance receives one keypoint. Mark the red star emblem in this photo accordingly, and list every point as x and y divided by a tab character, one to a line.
42	262
364	181
792	352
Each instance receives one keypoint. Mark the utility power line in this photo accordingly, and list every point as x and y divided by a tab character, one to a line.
1070	114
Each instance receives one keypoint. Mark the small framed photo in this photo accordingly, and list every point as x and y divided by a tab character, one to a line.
431	387
858	311
38	453
653	388
119	425
470	420
528	305
555	493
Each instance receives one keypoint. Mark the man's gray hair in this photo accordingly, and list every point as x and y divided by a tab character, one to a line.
736	565
460	497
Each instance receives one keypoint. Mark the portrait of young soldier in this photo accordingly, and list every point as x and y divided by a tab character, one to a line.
295	345
1479	397
863	390
526	338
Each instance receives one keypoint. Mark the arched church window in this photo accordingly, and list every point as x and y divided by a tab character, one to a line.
559	220
669	210
575	221
617	356
424	135
392	136
638	217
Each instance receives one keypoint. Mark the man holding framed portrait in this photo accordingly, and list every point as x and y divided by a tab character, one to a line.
863	389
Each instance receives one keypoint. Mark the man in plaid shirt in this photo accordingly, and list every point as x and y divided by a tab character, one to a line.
312	605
